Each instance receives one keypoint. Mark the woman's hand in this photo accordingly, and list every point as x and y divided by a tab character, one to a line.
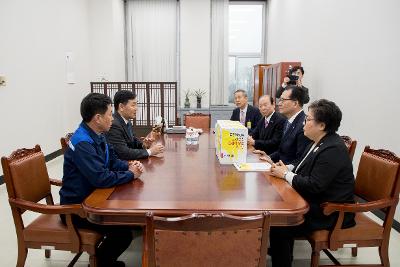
279	169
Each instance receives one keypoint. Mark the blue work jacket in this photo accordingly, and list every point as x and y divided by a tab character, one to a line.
90	163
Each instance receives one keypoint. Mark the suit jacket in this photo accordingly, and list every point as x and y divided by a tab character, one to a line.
268	139
126	147
293	142
326	175
253	116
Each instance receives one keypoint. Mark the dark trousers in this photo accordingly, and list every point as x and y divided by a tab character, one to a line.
281	244
116	239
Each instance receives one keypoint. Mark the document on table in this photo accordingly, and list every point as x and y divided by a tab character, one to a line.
253	167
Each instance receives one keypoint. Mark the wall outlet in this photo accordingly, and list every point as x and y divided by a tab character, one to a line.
2	80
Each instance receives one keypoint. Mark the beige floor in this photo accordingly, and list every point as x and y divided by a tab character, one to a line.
132	257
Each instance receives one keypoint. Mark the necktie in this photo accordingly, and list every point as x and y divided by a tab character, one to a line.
287	126
265	123
130	130
242	117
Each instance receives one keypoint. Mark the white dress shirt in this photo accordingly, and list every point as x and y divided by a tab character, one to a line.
292	173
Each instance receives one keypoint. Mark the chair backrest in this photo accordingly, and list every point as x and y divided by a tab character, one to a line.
198	120
64	141
25	174
378	175
351	145
207	240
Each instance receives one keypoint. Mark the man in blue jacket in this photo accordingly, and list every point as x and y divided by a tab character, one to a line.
90	163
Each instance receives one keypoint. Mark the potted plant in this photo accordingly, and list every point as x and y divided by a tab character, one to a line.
199	93
187	93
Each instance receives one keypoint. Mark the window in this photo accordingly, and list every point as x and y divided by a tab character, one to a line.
245	45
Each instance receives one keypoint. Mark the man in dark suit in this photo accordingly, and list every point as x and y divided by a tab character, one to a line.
121	136
268	133
248	115
293	141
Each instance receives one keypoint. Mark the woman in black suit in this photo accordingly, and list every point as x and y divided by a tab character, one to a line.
324	174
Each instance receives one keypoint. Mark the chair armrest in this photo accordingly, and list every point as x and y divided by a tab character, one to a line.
328	207
48	209
55	182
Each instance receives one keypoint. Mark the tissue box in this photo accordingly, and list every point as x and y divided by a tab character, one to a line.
230	142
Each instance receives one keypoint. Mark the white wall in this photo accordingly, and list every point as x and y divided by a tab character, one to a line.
107	22
37	106
195	48
350	51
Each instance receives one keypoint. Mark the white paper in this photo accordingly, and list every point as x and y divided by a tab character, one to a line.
253	167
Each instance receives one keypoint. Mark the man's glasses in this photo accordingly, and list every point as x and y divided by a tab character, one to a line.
284	99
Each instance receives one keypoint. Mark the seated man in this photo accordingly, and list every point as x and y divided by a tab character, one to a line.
248	115
121	136
293	140
268	133
324	174
90	163
295	77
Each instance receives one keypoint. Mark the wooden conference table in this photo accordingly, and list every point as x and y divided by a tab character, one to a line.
189	179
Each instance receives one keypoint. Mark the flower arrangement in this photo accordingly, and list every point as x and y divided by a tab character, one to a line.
187	93
199	93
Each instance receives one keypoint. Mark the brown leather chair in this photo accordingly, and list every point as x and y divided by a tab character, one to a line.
64	141
207	240
198	120
28	182
377	167
351	145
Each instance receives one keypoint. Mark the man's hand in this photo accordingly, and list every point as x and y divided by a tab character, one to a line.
299	83
250	141
279	169
136	167
286	80
156	149
262	153
267	159
263	156
147	141
155	133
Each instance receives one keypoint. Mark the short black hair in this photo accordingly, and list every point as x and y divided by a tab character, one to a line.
122	97
299	94
92	104
327	112
295	68
241	91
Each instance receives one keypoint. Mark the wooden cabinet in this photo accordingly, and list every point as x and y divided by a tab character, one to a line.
258	82
268	77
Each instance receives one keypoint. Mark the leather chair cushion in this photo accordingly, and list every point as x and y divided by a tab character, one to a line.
30	178
198	121
365	229
48	228
218	248
372	170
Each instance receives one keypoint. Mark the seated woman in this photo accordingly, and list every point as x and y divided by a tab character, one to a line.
324	174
